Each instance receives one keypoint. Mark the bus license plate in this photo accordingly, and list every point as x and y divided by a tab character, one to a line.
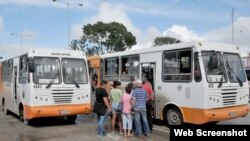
64	112
232	114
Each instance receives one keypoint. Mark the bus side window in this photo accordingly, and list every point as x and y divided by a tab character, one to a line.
177	66
130	67
197	70
111	66
23	73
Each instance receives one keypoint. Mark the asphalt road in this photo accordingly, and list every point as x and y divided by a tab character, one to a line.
12	129
54	129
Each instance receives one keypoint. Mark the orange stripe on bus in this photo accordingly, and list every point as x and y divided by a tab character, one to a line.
200	116
54	111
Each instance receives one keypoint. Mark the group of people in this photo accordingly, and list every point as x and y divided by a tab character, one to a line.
135	115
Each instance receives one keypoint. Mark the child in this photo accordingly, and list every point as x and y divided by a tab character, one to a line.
126	112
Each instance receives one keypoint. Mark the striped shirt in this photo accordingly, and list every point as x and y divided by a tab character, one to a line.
140	96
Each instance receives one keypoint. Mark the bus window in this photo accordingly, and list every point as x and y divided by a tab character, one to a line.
46	70
234	67
177	66
74	70
7	70
130	67
23	73
111	66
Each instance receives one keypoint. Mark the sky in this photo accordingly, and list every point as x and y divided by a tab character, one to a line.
43	23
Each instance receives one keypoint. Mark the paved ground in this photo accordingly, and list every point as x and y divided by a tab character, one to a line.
12	129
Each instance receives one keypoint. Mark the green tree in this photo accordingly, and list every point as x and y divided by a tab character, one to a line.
158	41
100	38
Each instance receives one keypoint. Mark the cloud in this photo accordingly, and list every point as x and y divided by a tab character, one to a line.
109	13
223	34
241	32
182	33
1	23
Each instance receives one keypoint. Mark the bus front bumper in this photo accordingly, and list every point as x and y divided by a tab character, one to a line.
56	110
201	116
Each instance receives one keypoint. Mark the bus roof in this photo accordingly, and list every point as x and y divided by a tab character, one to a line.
49	52
198	45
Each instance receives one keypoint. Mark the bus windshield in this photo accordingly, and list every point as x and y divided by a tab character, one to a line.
74	71
46	70
215	73
234	68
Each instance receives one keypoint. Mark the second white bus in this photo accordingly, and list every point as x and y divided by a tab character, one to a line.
196	82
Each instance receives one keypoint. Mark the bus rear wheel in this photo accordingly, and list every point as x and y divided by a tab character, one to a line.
22	116
174	117
71	118
5	110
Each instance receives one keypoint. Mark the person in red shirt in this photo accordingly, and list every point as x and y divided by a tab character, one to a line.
149	105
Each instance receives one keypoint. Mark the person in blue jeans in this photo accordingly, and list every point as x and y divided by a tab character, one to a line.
102	97
140	112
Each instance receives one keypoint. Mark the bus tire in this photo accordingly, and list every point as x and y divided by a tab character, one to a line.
5	110
174	116
22	116
71	118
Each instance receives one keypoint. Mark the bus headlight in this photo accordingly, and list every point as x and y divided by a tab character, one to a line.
214	101
41	99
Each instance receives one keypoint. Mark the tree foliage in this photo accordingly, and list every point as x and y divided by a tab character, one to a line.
158	41
100	38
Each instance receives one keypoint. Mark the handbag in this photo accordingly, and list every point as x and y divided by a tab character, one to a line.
120	106
99	108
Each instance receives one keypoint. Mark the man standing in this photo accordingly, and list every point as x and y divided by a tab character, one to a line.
140	99
102	97
149	104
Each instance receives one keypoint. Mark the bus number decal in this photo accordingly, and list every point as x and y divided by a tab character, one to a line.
38	86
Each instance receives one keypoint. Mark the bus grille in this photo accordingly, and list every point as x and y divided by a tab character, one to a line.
62	96
229	96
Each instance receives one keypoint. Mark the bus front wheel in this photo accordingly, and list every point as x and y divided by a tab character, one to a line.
5	110
22	117
174	117
71	118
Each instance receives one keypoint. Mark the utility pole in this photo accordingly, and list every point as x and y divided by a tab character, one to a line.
68	5
232	14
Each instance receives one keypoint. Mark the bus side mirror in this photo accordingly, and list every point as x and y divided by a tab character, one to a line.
31	65
213	62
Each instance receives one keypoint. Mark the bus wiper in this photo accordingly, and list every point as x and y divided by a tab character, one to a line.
221	82
74	82
52	81
231	70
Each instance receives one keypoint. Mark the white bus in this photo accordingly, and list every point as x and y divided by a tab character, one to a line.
46	83
196	82
246	62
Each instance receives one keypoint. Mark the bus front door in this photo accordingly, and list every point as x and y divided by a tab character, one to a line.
148	71
15	88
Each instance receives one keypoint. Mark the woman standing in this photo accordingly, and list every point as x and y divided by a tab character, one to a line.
126	112
115	97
